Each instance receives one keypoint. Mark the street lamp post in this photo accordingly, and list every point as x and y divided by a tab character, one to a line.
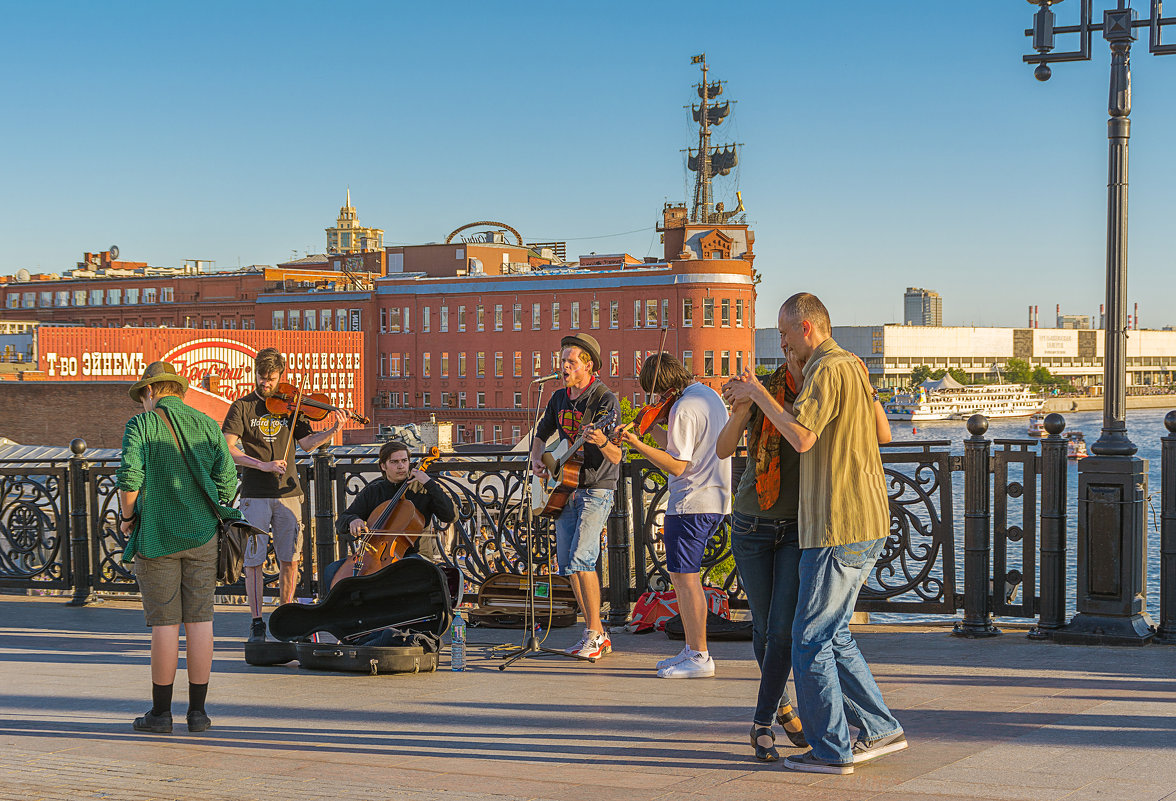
1112	484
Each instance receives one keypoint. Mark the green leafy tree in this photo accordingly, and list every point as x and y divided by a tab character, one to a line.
1018	371
1042	377
762	371
960	375
920	374
628	415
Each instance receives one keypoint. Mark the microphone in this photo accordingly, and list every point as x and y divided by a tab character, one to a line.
546	378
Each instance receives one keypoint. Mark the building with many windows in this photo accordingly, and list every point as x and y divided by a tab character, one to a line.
922	307
458	331
891	352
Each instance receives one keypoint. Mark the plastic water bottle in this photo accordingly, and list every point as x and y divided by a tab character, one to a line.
457	646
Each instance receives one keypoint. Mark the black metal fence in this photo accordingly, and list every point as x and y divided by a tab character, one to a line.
59	532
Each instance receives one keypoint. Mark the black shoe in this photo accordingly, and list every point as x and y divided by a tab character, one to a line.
158	724
257	631
769	754
786	716
198	721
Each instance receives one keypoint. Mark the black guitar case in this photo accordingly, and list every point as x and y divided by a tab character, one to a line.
389	622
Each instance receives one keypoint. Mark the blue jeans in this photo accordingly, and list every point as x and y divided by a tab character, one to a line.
834	686
767	555
577	530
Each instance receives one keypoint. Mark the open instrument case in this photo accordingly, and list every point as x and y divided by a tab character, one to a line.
391	621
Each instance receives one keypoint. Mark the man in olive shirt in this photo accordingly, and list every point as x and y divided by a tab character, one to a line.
844	521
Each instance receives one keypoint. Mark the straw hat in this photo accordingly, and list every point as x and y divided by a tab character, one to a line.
156	372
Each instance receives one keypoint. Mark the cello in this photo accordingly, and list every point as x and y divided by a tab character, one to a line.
393	527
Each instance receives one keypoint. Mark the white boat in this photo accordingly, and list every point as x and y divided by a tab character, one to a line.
947	399
1037	426
1076	445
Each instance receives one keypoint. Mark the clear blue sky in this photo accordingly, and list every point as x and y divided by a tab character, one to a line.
887	144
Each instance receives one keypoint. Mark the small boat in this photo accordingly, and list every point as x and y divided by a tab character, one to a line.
1037	426
1076	445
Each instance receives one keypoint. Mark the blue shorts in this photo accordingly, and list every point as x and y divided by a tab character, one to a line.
578	528
686	537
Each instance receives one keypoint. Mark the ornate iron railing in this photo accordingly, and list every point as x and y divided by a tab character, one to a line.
58	529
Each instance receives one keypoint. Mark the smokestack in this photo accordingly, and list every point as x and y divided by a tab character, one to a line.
1030	316
1102	318
1135	318
1036	317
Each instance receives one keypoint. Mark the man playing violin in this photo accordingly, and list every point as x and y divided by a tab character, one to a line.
699	494
271	495
572	411
424	493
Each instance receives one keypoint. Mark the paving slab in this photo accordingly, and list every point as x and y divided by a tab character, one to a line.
997	718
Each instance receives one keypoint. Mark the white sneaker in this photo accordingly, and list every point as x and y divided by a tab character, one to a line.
675	659
584	638
695	666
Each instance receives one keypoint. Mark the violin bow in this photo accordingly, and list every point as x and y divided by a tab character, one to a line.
657	365
290	439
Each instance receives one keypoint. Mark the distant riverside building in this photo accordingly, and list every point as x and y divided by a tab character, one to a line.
891	352
348	236
1073	321
922	307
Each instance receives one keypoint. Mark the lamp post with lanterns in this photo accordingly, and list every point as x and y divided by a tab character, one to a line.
1112	484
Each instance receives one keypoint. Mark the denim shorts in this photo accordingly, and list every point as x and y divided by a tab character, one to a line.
578	529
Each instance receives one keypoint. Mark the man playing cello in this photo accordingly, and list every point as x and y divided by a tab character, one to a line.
424	493
271	495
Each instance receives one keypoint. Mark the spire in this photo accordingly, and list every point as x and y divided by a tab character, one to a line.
348	203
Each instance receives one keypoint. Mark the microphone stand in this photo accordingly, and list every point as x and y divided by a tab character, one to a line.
531	647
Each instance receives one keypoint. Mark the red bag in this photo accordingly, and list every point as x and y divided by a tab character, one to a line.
653	609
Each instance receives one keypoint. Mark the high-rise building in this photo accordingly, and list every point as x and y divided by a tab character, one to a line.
348	236
922	307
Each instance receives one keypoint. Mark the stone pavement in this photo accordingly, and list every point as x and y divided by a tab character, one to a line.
1003	718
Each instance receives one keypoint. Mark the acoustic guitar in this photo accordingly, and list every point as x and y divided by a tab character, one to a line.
563	461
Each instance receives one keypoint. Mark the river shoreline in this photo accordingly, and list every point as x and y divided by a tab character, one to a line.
1095	404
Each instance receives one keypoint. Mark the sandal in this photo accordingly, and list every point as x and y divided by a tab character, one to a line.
769	754
787	718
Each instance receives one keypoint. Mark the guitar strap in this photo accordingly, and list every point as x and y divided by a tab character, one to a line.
591	400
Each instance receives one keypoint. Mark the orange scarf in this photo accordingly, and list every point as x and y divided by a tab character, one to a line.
764	441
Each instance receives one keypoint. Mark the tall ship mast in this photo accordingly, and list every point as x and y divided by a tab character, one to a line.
709	162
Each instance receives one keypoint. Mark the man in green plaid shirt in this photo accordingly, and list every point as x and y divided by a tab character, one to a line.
166	512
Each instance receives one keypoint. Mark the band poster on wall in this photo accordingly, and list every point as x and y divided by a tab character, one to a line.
218	362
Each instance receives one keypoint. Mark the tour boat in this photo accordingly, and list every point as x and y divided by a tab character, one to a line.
1037	426
1076	445
947	399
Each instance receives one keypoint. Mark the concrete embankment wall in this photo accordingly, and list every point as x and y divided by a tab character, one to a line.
1096	404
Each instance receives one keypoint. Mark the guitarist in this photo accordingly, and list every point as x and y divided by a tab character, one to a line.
572	411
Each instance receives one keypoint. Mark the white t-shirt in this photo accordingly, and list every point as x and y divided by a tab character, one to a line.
696	419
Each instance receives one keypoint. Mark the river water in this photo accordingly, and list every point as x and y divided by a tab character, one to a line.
1145	427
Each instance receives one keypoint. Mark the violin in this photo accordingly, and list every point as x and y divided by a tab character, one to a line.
315	406
393	527
653	414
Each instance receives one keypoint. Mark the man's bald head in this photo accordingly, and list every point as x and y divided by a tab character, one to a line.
807	306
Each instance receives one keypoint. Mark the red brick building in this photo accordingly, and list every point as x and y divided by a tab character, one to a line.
456	330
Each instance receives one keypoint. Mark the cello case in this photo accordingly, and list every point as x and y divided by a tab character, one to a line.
389	622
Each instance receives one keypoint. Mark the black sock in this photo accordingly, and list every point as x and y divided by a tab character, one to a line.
257	620
197	693
161	695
